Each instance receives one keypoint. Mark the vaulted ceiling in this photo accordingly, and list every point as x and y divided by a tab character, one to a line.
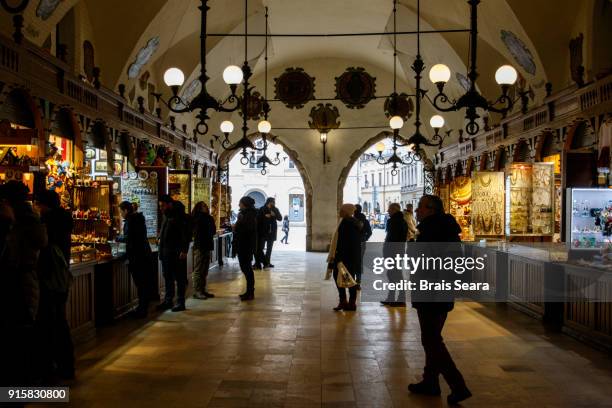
539	31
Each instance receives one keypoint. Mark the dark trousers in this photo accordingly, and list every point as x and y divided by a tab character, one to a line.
140	272
437	358
201	264
175	270
244	259
285	238
342	291
262	258
57	350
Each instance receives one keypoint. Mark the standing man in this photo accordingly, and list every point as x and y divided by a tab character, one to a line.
245	243
267	217
411	222
436	226
204	230
365	234
174	240
397	231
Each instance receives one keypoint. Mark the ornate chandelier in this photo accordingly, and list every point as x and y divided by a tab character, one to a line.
203	102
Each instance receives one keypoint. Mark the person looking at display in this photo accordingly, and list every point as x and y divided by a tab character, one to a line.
204	230
57	357
23	236
267	228
138	252
245	243
174	240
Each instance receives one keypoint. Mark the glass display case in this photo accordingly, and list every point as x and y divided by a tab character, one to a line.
589	218
488	203
179	187
460	205
92	222
530	199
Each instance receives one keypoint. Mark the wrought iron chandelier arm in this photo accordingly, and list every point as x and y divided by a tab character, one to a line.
505	100
172	102
442	99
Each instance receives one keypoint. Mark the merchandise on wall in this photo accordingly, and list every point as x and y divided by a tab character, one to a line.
488	204
62	160
530	200
142	189
589	218
200	190
460	205
444	193
179	187
215	202
556	159
18	154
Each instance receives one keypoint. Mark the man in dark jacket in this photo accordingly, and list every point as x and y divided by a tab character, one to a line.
267	217
174	240
245	243
436	226
204	230
138	253
347	252
366	233
397	231
57	355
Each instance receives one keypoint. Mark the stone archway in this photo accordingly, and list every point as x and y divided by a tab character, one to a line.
226	157
427	164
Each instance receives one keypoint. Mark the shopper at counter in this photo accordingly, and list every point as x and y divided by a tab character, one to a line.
139	255
245	243
22	238
436	226
57	350
204	231
267	227
174	240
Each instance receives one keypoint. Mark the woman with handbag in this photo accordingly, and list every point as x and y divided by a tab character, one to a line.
345	257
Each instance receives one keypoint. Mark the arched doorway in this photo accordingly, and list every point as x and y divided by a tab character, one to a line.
286	182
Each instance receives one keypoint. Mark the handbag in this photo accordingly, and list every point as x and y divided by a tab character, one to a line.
345	279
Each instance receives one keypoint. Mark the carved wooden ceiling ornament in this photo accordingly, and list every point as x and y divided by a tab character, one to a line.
294	88
399	105
324	118
355	87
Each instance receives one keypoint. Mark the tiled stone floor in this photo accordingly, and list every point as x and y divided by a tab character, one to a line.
288	348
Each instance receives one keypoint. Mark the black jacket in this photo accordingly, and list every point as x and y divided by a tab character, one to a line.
437	228
397	229
175	234
245	232
59	229
136	242
266	226
348	248
204	230
366	228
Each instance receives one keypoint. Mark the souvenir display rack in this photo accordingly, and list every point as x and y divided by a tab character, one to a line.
589	218
488	204
460	205
180	187
142	189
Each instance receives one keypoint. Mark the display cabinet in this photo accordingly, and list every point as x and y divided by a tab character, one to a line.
488	204
460	205
180	188
589	218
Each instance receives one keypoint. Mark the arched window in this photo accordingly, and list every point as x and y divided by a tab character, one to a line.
88	60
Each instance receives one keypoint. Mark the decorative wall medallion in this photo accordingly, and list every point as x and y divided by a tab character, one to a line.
46	8
355	87
254	106
324	118
519	51
402	106
463	81
294	88
143	56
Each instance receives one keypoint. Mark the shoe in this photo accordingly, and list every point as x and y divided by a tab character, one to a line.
164	306
256	266
351	307
200	295
387	302
340	306
247	296
456	396
209	295
179	308
268	266
424	388
358	286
